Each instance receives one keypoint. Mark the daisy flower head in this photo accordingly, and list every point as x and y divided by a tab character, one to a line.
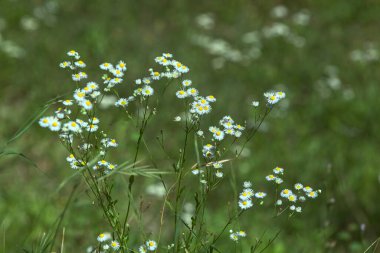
230	131
245	204
247	184
242	233
87	104
54	124
279	180
298	209
302	198
70	158
103	163
213	129
121	102
73	126
270	177
279	202
278	170
142	249
117	72
151	245
272	98
260	195
181	94
307	189
292	207
146	80
292	198
76	77
80	64
74	54
147	91
211	98
112	143
103	237
234	237
67	102
92	86
238	134
239	127
285	193
92	128
228	125
298	186
106	66
217	165
312	194
121	66
94	120
167	55
280	94
115	245
218	135
65	64
45	121
155	75
192	92
246	194
186	83
200	133
79	95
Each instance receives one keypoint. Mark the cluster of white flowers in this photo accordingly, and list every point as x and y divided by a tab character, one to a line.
114	75
247	195
106	243
293	197
149	245
274	97
234	236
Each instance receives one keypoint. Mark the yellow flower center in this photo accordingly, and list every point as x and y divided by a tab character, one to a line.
54	124
73	124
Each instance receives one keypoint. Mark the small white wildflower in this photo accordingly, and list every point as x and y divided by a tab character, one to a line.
200	133
67	102
219	174
186	83
80	64
260	195
121	102
54	124
151	245
192	92
278	170
45	121
106	66
255	103
181	94
270	177
279	202
285	193
177	119
245	204
298	186
104	237
147	91
115	245
92	128
87	104
292	198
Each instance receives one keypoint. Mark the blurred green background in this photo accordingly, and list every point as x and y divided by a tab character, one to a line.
324	54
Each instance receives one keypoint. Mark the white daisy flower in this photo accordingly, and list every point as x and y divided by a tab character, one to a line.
115	245
279	180
239	127
167	55
151	245
272	99
229	131
74	54
92	128
116	80
45	121
177	119
121	102
192	92
106	66
103	163
138	81
117	72
292	207
213	129
307	189
87	104
200	133
183	69
246	194
94	120
79	95
70	158
228	125
312	194
186	83
242	233
280	94
104	237
106	247
260	195
270	177
302	199
211	98
80	64
147	91
292	198
65	64
92	85
285	193
234	237
147	80
278	170
298	209
155	75
54	124
73	126
279	202
67	102
181	94
298	186
218	135
245	204
142	249
121	66
217	165
112	143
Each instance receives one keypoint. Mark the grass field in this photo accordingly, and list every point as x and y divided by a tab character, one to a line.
323	54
